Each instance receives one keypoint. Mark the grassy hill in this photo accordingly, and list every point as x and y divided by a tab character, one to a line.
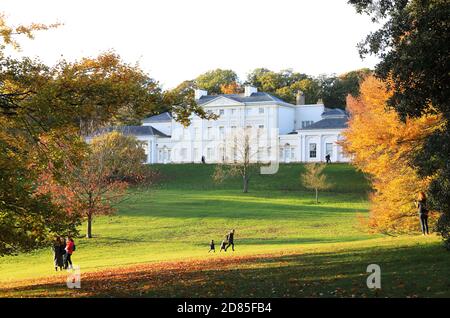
278	220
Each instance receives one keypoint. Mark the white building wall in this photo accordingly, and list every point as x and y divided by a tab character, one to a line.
205	138
286	116
308	113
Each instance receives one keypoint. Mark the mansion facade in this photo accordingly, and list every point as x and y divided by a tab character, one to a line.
280	131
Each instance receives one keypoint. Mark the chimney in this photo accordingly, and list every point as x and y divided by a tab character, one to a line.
199	93
250	90
300	98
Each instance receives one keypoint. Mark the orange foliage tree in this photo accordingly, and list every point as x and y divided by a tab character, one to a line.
99	182
231	88
381	145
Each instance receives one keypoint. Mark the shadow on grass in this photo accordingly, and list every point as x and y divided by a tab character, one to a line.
413	271
225	208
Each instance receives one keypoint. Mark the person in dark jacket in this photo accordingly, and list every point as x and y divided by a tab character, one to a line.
58	253
328	158
212	247
203	160
230	239
421	205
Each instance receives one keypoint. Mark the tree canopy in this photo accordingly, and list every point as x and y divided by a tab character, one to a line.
413	46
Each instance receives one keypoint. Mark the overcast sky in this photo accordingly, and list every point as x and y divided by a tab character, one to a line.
175	40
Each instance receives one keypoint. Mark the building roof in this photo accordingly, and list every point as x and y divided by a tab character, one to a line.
163	117
335	112
133	130
329	123
241	98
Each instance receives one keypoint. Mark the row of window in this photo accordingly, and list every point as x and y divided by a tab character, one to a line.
313	149
234	111
285	153
306	123
210	131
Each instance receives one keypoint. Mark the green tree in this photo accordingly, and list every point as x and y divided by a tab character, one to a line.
212	81
335	89
27	219
181	102
413	46
313	178
284	84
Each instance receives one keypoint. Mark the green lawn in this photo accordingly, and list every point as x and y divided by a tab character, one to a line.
176	220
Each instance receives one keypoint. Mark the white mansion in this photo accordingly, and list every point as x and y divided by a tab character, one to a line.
286	132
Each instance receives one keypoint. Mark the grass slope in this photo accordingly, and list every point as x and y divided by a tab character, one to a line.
176	220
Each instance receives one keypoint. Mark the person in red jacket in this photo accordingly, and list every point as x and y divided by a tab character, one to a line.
70	247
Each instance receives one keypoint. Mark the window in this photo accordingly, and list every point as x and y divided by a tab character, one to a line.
221	111
221	131
222	154
168	154
306	123
312	150
248	111
209	153
329	149
261	126
196	133
146	147
196	155
210	136
183	153
233	111
261	110
292	153
249	126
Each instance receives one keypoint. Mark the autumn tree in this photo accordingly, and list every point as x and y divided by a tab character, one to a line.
27	219
313	178
413	46
231	88
212	81
239	157
99	183
381	145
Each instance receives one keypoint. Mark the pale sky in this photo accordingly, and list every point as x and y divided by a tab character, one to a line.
176	40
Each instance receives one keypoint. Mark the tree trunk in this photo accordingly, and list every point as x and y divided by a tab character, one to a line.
89	226
317	196
245	190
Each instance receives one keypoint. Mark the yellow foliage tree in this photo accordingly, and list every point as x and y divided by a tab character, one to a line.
381	145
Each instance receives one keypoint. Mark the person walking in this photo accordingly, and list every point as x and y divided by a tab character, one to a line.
421	205
212	246
58	253
70	248
230	239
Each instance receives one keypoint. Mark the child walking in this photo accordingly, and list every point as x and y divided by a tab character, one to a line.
212	247
223	246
